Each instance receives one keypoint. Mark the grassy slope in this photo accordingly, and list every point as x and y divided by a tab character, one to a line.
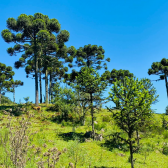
99	156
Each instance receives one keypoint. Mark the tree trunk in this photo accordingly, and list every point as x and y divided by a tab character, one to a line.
137	133
44	98
84	112
166	84
36	73
0	96
40	88
50	88
92	116
13	94
46	86
131	151
83	119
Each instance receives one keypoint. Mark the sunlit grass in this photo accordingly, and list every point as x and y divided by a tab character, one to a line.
96	154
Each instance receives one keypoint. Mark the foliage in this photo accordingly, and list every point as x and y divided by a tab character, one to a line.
5	100
166	110
63	94
16	83
134	102
160	69
99	126
91	56
106	118
64	100
149	86
116	75
6	75
26	99
34	35
89	81
164	122
165	149
77	154
165	134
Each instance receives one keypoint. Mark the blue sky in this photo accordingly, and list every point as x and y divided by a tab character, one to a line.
134	34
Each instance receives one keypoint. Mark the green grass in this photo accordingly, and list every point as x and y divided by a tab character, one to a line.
98	154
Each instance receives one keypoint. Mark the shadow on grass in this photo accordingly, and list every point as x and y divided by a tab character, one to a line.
72	136
113	143
15	109
65	121
3	107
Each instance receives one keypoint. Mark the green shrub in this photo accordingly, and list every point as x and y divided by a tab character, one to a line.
5	100
165	134
99	126
56	118
106	118
149	145
16	111
63	123
165	149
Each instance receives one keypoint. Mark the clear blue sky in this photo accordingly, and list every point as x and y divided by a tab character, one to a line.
133	34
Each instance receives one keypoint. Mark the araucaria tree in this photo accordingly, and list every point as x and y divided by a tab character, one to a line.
28	33
89	81
134	102
6	75
161	69
91	56
115	75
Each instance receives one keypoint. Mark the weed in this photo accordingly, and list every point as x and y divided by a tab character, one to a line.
76	153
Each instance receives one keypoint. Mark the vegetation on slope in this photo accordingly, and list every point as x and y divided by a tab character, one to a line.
45	140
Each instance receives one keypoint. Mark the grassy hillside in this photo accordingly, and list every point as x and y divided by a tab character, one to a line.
46	132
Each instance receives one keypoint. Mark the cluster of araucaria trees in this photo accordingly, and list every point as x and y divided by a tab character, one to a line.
42	44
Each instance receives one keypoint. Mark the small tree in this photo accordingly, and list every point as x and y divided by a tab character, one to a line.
83	101
64	100
152	91
26	99
89	81
6	75
131	95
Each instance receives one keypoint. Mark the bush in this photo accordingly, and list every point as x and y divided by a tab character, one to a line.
66	123
5	100
106	118
66	110
99	126
165	149
16	111
165	134
56	118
